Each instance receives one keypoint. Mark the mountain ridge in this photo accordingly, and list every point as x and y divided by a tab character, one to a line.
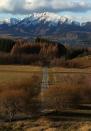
46	16
43	24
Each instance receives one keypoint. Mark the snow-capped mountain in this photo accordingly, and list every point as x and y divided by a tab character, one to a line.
51	19
43	24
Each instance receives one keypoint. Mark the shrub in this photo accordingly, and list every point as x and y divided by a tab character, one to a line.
70	93
11	102
22	97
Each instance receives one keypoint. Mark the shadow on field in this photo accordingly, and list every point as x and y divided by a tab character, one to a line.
67	115
20	118
53	116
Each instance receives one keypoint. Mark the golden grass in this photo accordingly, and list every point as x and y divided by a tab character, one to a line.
47	125
84	62
11	75
69	70
17	74
78	64
19	68
67	90
68	77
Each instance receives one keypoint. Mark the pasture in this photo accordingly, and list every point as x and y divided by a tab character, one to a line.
17	74
65	86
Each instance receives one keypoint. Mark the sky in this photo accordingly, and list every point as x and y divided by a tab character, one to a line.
79	10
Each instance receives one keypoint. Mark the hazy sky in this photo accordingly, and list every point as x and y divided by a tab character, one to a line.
77	9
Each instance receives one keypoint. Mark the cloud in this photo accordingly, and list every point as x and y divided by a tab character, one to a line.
29	6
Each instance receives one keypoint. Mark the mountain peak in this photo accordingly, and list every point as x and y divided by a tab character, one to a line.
45	24
49	17
46	17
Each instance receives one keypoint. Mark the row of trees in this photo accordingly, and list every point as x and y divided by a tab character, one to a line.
26	52
6	45
39	47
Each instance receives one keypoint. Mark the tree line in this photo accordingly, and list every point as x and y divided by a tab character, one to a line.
36	51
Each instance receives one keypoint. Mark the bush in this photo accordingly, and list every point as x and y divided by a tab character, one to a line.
20	98
69	94
12	101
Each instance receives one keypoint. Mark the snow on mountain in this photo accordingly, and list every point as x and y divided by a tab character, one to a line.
45	24
46	17
10	21
5	21
52	19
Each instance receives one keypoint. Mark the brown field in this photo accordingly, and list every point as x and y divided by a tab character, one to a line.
13	75
64	83
80	62
44	124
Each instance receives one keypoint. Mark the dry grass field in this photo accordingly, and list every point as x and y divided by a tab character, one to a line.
44	124
20	68
62	81
17	74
